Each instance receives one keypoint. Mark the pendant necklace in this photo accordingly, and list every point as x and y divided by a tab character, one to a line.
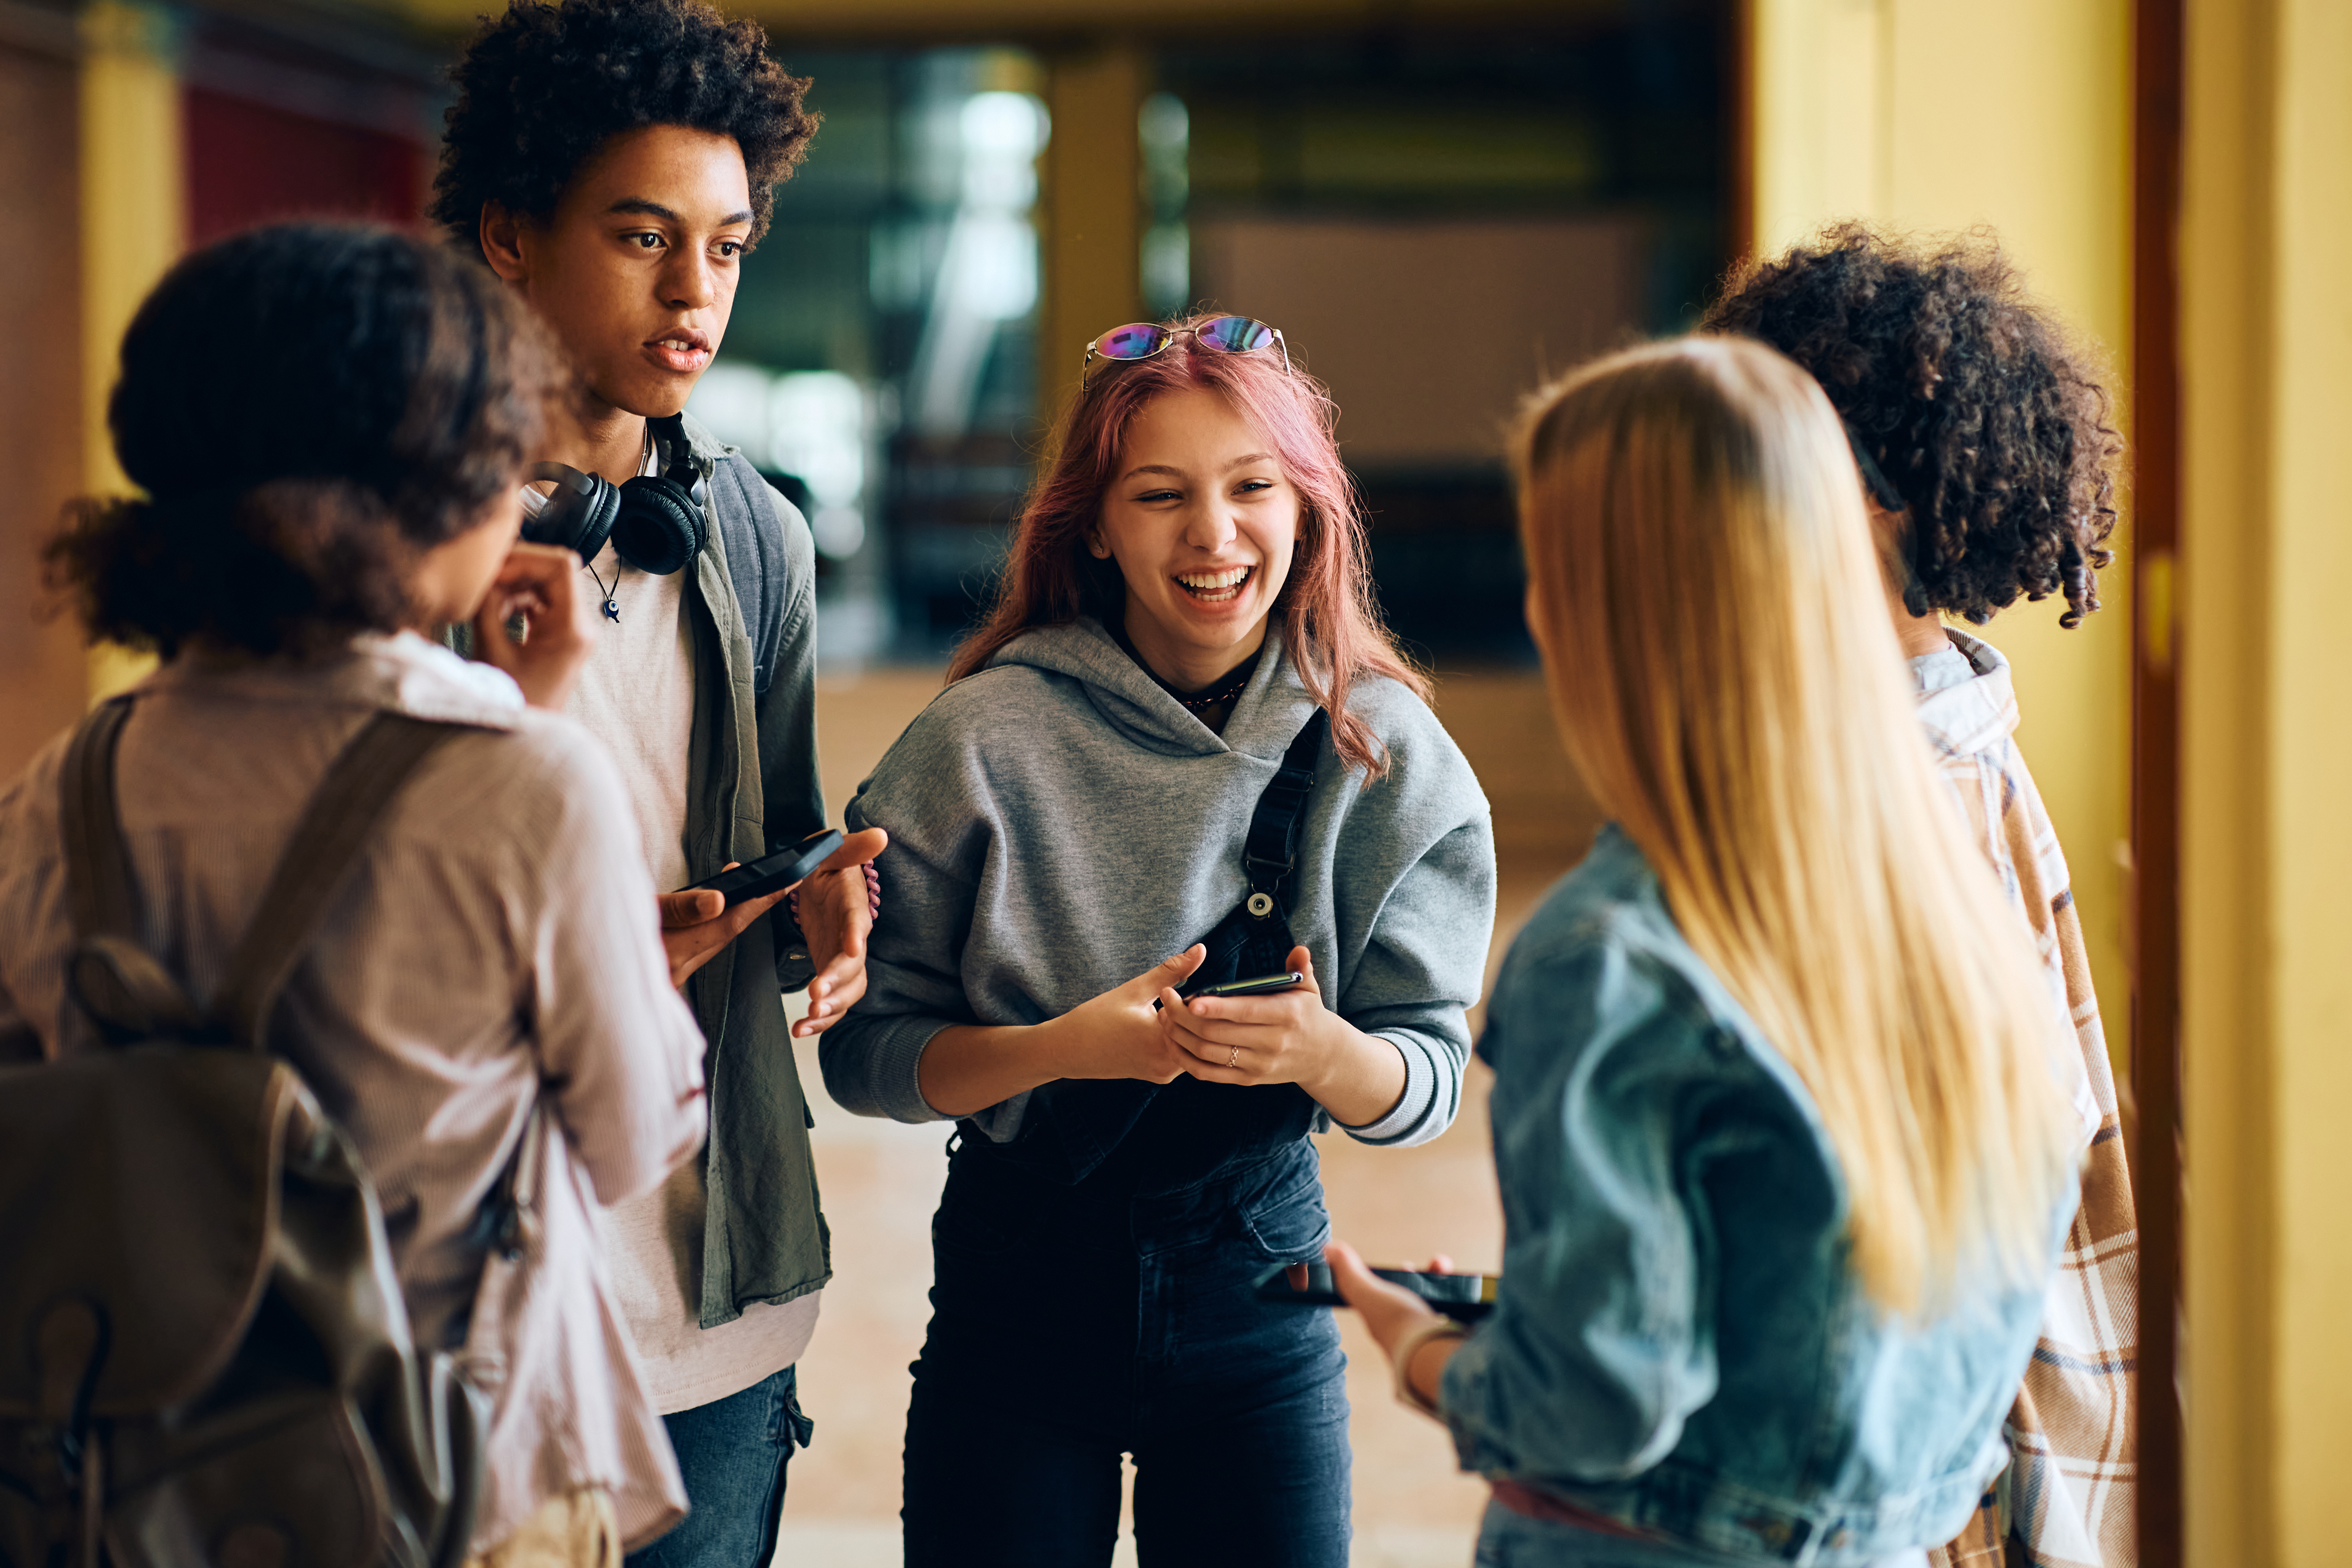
612	610
646	465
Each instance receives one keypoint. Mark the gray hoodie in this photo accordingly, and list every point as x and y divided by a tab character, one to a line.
1059	824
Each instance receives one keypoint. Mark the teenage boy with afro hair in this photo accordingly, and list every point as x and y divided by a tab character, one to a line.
613	162
1989	462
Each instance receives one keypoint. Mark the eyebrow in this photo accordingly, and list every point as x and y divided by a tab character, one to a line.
655	209
1164	469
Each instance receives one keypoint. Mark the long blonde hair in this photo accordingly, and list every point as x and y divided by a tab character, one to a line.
1721	659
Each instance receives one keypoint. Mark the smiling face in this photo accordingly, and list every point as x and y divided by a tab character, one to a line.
1202	520
635	270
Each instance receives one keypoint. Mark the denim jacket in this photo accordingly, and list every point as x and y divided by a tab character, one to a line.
1680	1343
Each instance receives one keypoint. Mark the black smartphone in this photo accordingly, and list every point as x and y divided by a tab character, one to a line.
1466	1298
770	872
1255	985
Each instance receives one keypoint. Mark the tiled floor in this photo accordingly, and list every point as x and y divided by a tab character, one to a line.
1414	1510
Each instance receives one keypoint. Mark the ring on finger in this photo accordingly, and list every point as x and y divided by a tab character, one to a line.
1234	1057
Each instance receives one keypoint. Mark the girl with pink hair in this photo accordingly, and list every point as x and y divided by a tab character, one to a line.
1181	729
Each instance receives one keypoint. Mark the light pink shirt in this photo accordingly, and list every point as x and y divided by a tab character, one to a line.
498	945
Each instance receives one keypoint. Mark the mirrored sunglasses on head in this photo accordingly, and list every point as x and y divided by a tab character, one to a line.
1226	334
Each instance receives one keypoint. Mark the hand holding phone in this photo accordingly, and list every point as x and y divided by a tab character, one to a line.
1255	985
1466	1298
1286	1033
771	873
696	924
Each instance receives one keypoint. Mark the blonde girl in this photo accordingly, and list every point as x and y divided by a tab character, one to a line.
1784	1143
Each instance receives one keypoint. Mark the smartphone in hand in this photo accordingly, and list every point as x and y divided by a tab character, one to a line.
770	872
1255	985
1466	1298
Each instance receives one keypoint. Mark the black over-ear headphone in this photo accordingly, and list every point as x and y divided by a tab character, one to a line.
654	520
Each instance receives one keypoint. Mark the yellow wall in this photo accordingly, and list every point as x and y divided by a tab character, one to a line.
1089	209
42	679
133	229
2266	555
2016	113
131	179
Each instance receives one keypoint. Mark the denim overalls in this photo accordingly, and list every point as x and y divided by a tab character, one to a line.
1093	1296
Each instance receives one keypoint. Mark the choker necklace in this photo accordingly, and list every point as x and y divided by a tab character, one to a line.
1196	703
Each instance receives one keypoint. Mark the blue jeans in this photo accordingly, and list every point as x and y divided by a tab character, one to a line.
1074	1324
732	1453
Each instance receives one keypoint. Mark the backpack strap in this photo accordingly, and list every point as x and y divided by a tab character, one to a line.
117	983
318	860
98	869
1271	851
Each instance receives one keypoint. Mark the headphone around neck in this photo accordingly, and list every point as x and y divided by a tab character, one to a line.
654	521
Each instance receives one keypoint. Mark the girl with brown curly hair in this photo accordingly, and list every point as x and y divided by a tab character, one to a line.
328	424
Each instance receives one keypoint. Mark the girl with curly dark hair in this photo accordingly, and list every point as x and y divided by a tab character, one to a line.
1983	436
295	499
328	424
1975	417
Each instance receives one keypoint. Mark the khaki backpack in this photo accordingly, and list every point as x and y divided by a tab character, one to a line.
204	1360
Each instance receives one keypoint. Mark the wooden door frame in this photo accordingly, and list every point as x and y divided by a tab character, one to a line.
2159	90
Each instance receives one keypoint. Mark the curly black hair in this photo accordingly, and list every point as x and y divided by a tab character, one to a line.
543	87
308	407
1991	425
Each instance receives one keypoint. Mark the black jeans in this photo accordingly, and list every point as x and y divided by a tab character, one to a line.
733	1453
1071	1325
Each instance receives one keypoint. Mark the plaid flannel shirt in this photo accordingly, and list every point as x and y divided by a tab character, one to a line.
2068	1496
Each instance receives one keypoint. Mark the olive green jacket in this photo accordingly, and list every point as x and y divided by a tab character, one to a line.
753	785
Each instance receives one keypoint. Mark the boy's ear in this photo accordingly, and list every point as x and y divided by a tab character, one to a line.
502	247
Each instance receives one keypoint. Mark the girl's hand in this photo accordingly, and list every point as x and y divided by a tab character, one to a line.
1118	1035
967	1068
1390	1312
539	582
1289	1036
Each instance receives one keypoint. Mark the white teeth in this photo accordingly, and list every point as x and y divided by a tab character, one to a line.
1210	582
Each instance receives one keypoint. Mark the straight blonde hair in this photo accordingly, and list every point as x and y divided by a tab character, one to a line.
1720	656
